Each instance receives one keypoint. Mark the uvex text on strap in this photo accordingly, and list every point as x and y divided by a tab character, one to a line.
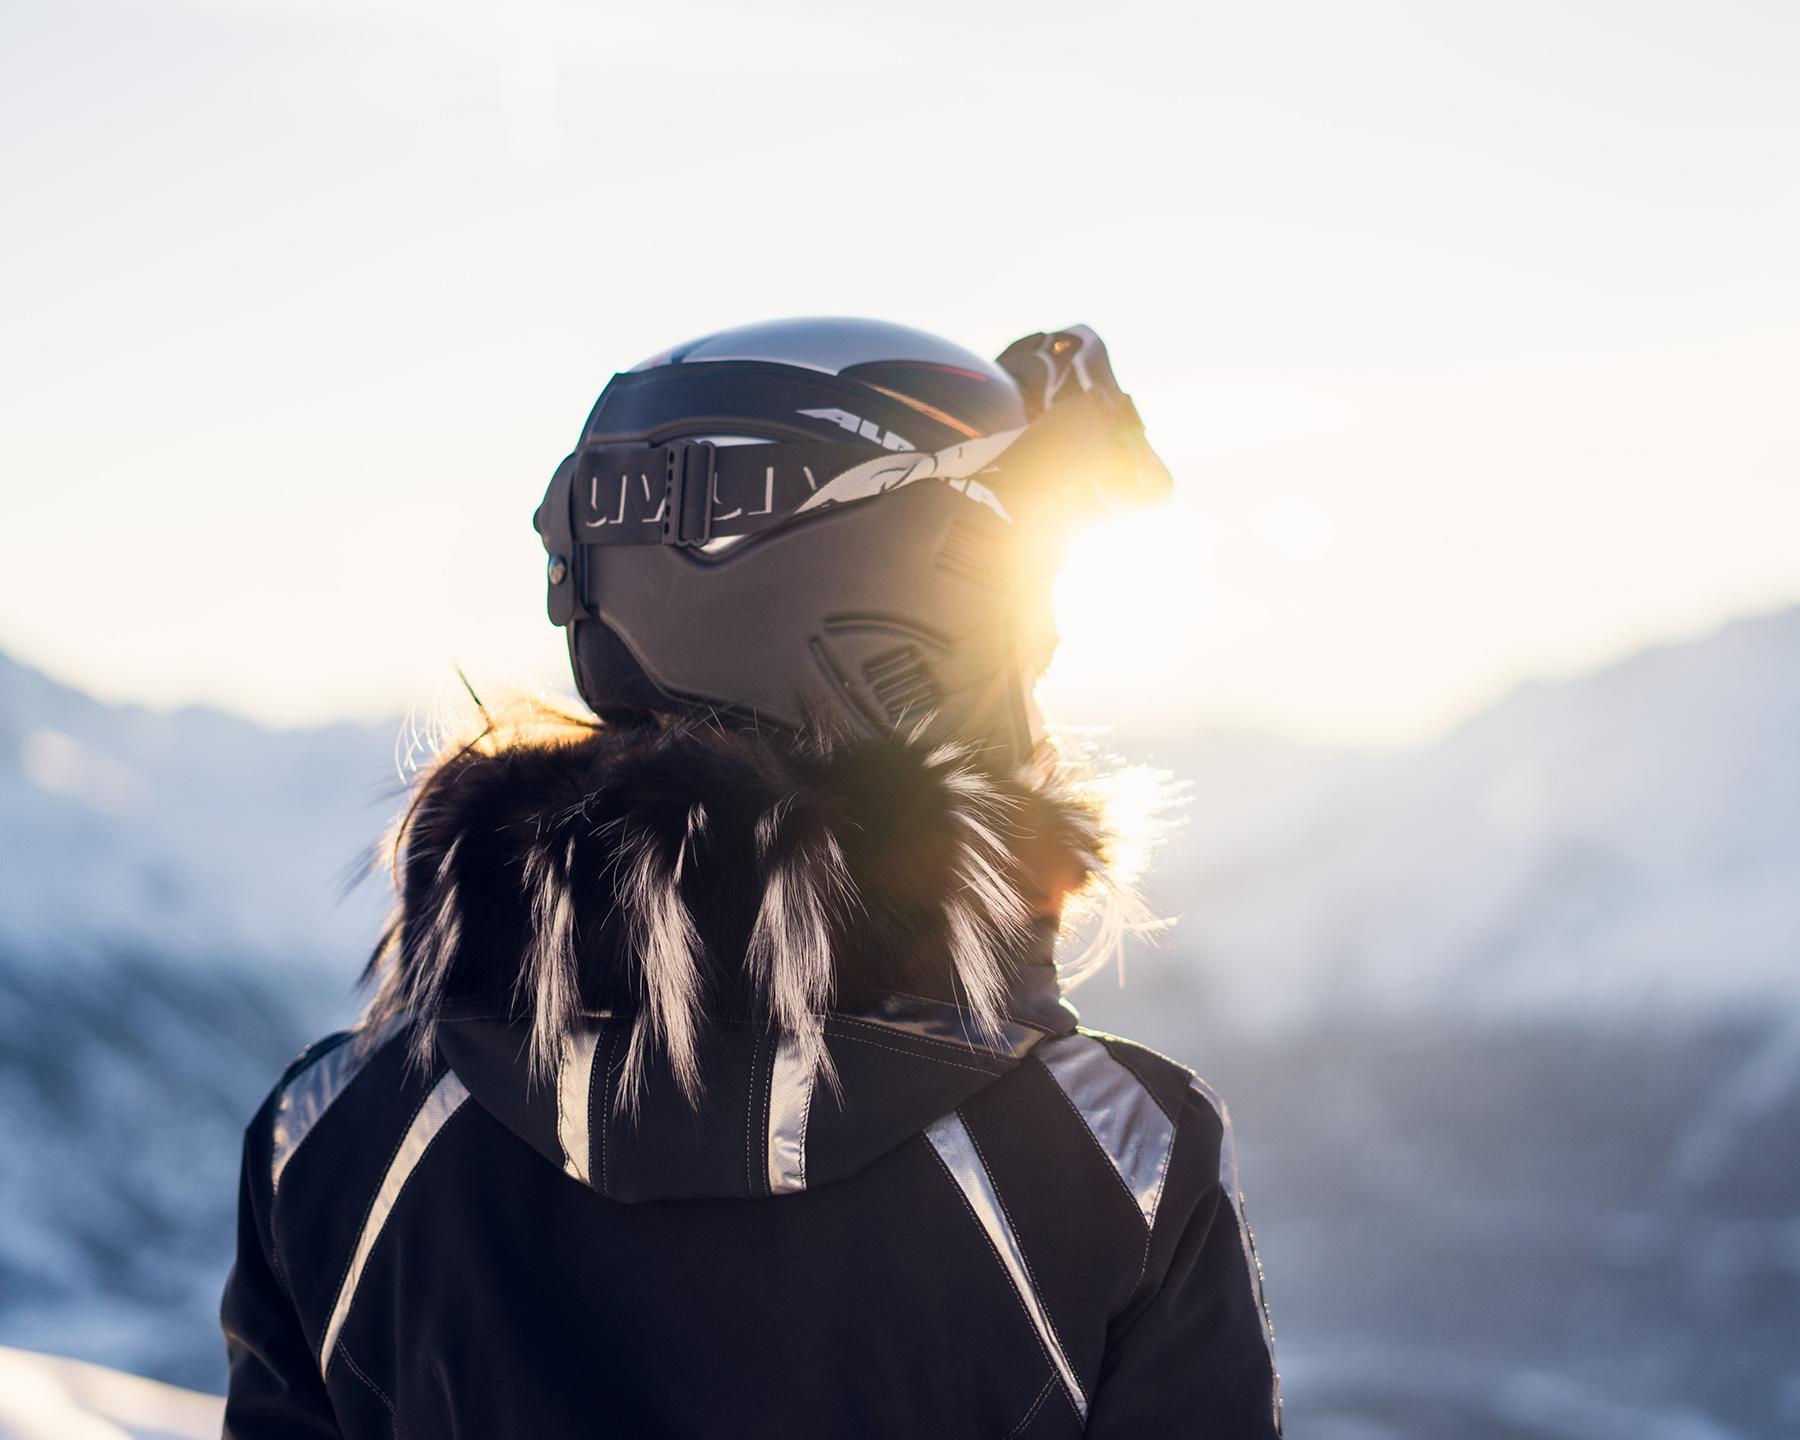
688	492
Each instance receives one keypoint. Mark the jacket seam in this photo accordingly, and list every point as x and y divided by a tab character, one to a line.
1150	1230
298	1066
1024	1259
981	1230
914	1055
1088	1130
805	1118
606	1108
1149	1089
596	1063
304	1061
1037	1025
960	1047
275	1263
752	1106
765	1114
1113	1170
380	1394
1003	1063
1037	1404
369	1208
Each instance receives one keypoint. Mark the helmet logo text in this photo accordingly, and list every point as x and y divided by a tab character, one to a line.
856	425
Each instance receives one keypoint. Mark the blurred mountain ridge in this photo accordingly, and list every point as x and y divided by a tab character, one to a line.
1510	1024
1576	844
1626	841
191	831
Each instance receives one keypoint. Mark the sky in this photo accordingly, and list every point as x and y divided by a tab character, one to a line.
1471	332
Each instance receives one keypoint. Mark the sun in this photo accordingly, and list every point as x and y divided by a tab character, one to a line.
1126	600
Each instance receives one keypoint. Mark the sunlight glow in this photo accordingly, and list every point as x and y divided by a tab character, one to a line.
1135	804
1434	429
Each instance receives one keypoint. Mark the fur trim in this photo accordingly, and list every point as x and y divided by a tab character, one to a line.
554	865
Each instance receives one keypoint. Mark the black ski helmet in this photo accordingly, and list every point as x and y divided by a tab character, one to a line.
834	521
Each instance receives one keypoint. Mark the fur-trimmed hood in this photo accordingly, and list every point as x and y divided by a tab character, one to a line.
695	914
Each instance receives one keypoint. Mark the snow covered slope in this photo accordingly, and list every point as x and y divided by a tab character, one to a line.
44	1397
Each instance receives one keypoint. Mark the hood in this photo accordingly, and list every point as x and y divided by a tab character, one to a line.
683	961
764	1122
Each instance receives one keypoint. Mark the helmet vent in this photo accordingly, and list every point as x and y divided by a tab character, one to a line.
969	551
901	681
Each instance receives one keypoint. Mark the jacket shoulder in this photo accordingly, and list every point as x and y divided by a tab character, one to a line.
1199	1118
311	1085
1157	1130
1178	1089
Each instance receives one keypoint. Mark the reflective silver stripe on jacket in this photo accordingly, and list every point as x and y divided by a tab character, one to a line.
1122	1116
1228	1182
574	1089
956	1148
791	1082
445	1100
305	1099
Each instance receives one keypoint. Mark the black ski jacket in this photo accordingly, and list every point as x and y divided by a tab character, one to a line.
939	1220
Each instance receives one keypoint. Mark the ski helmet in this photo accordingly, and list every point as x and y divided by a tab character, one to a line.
836	522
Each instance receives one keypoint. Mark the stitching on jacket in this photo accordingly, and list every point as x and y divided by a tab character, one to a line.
805	1118
750	1106
1005	1273
1144	1271
301	1063
375	1194
1162	1183
930	1000
380	1394
1105	1154
765	1108
960	1048
600	1107
1150	1229
1024	1259
758	1102
274	1251
749	1112
914	1055
595	1061
605	1106
1162	1180
1036	1405
1131	1062
430	1145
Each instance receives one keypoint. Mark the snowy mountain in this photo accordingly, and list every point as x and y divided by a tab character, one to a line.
1627	841
170	934
1510	1025
1511	1029
196	832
